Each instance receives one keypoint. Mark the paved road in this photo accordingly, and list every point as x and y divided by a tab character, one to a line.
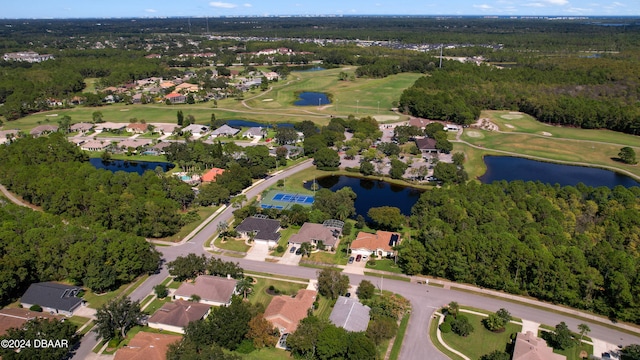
424	299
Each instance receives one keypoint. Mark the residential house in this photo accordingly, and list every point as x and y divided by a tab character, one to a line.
164	128
52	297
94	145
176	98
5	135
81	127
530	347
43	129
27	56
110	126
147	346
286	312
325	236
271	76
137	98
225	130
349	314
175	316
262	229
167	84
419	123
292	151
212	290
17	317
211	175
255	132
186	87
379	244
134	143
159	147
426	145
196	130
137	128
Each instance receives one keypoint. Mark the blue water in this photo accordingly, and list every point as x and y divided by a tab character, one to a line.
512	168
244	123
306	69
312	98
129	166
372	193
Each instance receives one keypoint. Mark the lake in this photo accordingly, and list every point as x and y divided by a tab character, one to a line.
129	166
245	123
512	168
307	68
312	98
372	193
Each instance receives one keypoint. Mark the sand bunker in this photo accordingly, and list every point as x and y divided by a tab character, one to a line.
267	100
474	134
52	115
511	116
124	109
515	112
386	117
510	126
547	133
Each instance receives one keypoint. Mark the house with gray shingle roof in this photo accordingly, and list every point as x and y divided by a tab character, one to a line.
212	290
225	130
52	297
265	230
350	314
175	316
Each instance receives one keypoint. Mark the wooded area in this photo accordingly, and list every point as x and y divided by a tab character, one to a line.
576	246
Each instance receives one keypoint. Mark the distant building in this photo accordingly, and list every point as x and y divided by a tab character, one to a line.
315	234
225	130
426	145
27	56
94	145
286	312
211	175
176	98
81	127
17	317
264	230
196	130
43	129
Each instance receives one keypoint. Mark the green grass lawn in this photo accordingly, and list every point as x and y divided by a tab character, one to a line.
434	340
574	352
481	341
385	265
267	354
204	212
397	344
232	244
325	307
156	304
259	294
97	300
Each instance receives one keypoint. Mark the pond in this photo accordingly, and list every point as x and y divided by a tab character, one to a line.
245	123
512	168
372	193
129	166
312	98
308	68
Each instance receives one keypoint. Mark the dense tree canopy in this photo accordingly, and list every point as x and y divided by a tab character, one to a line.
572	245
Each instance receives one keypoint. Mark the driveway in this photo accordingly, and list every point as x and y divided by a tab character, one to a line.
290	258
357	267
258	252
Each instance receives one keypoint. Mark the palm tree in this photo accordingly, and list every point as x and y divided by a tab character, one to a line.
454	308
305	249
584	329
245	286
237	200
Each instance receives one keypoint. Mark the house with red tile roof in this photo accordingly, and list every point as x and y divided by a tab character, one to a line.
147	346
285	312
211	175
212	290
176	98
137	128
175	316
379	244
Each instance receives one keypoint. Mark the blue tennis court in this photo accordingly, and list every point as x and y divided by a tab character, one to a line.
295	198
278	207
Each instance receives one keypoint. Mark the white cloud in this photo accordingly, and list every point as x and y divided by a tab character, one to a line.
483	7
247	5
534	4
151	10
222	5
557	2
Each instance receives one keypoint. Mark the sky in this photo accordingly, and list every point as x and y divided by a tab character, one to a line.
197	8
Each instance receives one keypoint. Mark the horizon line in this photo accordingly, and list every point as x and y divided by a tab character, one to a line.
487	16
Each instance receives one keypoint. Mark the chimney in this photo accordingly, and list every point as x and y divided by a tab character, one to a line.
229	276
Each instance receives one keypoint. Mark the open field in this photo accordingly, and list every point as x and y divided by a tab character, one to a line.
362	97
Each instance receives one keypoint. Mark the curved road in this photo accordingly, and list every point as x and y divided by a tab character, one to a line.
424	299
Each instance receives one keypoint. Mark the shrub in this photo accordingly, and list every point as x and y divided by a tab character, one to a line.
280	248
448	319
161	291
36	308
246	346
462	326
445	327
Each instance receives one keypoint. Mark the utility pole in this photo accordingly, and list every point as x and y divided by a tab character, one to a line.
441	56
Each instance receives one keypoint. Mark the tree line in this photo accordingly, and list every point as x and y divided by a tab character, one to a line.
575	246
579	92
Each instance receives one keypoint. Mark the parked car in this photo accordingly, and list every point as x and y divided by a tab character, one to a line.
364	257
351	260
299	251
292	250
358	258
